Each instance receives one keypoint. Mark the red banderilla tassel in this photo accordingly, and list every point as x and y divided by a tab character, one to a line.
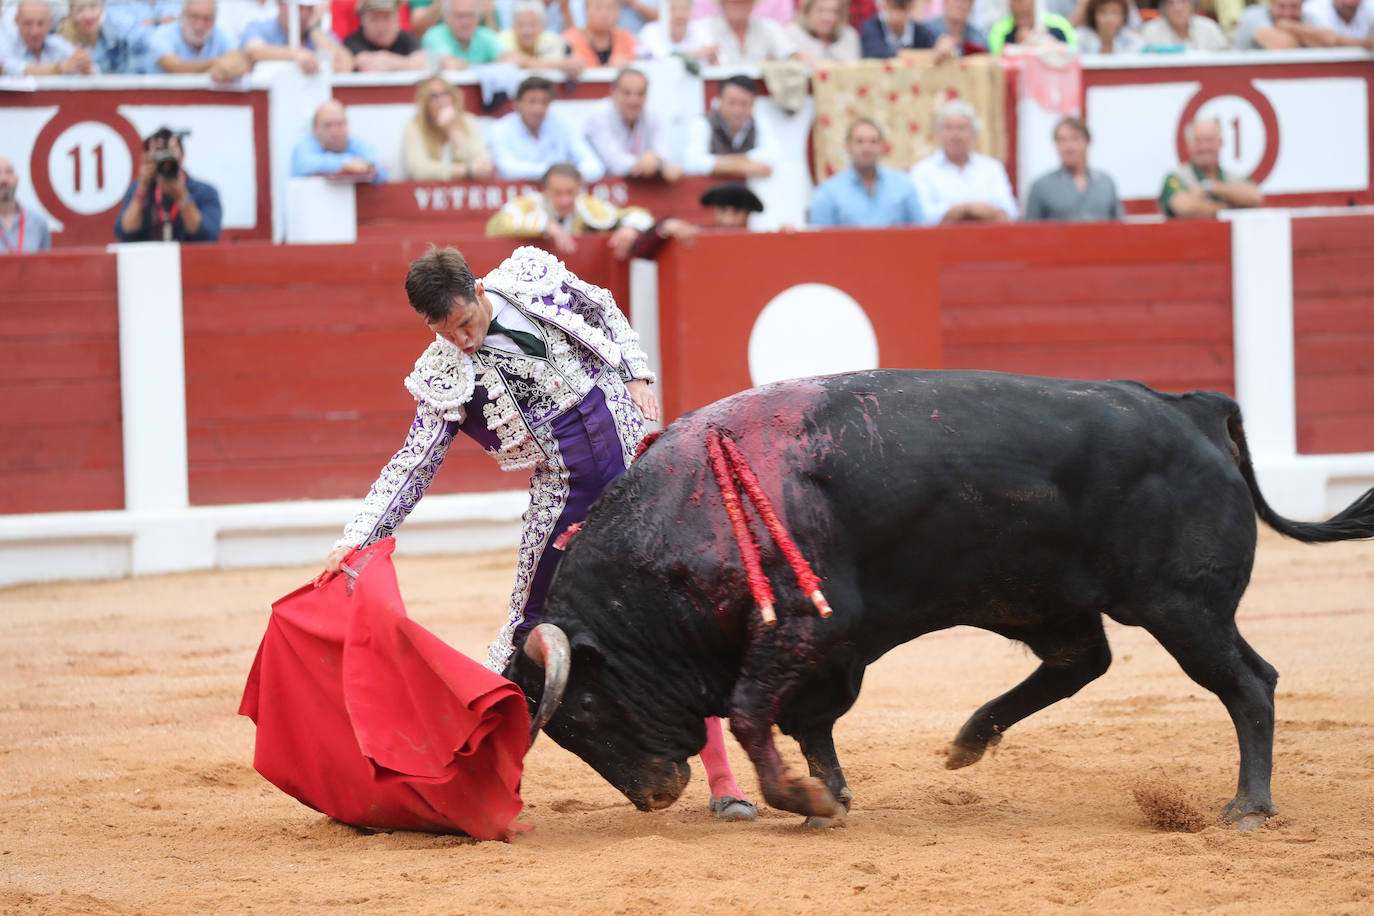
810	583
748	549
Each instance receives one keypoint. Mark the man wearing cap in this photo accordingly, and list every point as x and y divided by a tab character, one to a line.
193	44
866	193
380	44
730	140
267	39
528	140
21	230
731	206
564	210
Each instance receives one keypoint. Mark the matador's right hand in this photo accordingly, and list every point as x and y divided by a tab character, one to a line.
332	564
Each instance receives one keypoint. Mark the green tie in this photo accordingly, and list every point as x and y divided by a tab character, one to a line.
527	342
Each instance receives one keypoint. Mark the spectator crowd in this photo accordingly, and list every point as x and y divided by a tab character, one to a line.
558	39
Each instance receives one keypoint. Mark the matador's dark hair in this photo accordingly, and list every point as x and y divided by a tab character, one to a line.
436	279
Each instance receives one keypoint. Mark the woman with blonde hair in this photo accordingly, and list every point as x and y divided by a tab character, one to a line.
822	31
442	142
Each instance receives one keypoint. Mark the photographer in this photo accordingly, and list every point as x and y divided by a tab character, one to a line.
165	204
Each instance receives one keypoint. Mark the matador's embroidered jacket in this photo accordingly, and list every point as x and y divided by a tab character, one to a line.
567	416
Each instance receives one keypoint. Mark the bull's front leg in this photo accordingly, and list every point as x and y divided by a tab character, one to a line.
776	665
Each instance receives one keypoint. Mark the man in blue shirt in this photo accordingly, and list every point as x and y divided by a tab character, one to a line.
266	39
32	49
164	204
331	151
527	141
113	48
866	193
192	44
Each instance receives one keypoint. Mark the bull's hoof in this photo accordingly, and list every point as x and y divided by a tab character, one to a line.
806	795
821	823
1246	816
964	752
729	808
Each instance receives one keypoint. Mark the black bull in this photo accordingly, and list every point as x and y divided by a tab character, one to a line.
1025	506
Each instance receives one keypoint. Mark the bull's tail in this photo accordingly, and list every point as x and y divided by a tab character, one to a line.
1355	521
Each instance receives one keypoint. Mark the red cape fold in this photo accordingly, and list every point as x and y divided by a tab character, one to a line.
365	715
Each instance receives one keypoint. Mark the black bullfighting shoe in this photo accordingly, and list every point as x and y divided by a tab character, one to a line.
729	808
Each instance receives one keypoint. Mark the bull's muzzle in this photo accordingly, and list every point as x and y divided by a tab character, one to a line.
547	647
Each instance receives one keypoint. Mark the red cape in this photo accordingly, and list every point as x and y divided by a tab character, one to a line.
365	715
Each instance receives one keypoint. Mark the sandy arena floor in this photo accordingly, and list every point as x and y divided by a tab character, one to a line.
128	785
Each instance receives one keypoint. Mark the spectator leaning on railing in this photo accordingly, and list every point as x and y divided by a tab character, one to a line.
21	230
164	204
955	35
33	50
268	39
380	44
743	38
1282	24
729	140
192	44
1350	19
1024	26
680	34
601	43
330	151
866	193
630	140
1073	191
822	32
1179	26
442	142
532	45
1106	30
461	40
528	140
112	49
1200	188
956	184
894	32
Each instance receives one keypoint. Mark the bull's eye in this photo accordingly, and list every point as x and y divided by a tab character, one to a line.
588	704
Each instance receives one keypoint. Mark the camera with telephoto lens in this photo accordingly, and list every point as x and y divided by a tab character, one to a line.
166	164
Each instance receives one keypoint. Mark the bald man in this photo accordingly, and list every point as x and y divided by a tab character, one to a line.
330	151
32	50
21	230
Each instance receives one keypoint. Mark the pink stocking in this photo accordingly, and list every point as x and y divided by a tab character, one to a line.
717	764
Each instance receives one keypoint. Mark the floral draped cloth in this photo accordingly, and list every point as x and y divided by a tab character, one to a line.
903	97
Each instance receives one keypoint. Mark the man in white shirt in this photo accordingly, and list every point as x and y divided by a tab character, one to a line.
1353	19
1279	25
743	38
730	140
628	139
527	141
957	185
680	34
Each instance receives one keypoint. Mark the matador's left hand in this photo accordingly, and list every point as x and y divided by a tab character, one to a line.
644	398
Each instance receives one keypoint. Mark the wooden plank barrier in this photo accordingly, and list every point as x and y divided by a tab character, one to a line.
61	445
460	209
295	357
1333	325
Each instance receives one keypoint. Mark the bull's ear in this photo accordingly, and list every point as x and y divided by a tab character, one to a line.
587	650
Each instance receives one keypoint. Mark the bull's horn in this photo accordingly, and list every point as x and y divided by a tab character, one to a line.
548	647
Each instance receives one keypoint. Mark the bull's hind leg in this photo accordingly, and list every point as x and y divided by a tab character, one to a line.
1212	652
1071	657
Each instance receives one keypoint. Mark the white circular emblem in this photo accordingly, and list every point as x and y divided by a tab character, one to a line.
1243	137
810	329
90	167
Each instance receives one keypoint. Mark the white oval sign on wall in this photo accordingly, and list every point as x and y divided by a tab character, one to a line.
810	329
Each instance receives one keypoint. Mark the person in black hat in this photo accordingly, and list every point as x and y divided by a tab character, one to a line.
731	205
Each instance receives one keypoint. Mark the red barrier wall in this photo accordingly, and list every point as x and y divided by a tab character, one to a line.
1333	324
1104	300
295	357
1149	302
61	434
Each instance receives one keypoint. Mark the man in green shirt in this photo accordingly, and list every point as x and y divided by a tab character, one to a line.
1198	188
460	40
